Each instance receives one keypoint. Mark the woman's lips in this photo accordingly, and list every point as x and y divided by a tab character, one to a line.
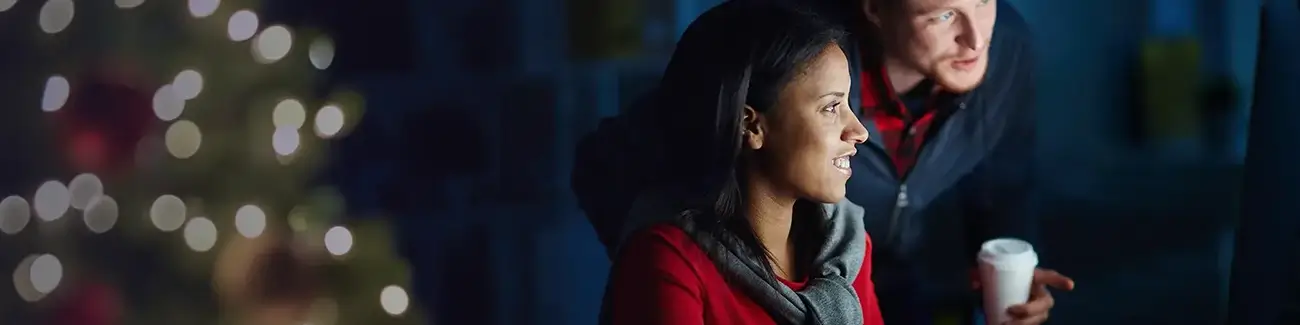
843	165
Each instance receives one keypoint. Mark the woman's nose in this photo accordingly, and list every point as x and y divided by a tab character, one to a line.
856	132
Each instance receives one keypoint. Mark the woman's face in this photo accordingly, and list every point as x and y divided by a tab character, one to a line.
802	145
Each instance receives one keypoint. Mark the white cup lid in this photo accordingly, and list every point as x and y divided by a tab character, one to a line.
1006	253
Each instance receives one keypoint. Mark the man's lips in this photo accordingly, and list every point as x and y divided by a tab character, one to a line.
966	63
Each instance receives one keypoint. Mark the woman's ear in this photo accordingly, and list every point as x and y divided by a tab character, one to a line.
752	129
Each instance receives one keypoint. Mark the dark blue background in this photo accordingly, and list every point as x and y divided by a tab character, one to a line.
1145	230
473	108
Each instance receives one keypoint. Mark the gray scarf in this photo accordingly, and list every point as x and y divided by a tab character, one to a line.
827	299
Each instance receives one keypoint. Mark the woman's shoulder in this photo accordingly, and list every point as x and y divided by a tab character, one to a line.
664	252
658	277
657	206
661	239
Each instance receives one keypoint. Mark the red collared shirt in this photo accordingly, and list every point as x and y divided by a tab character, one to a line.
902	132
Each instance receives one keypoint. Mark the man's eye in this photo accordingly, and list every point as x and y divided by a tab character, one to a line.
945	16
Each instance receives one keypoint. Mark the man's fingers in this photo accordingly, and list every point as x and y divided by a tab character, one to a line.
1053	279
1040	302
1035	320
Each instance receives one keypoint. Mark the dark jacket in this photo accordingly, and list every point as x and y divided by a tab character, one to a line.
973	180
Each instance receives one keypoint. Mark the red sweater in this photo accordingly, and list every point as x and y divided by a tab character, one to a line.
662	277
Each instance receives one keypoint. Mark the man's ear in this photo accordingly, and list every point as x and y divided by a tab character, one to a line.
872	9
751	124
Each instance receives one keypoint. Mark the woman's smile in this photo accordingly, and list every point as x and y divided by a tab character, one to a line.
842	164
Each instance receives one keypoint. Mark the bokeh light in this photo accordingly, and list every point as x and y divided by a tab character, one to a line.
52	200
329	121
203	8
167	213
250	221
183	139
56	93
321	53
242	25
394	300
83	189
101	215
272	44
56	15
128	4
200	234
338	240
15	214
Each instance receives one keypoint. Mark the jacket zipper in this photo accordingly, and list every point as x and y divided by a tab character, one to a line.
899	205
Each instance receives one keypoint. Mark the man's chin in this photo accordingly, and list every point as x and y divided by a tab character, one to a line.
960	81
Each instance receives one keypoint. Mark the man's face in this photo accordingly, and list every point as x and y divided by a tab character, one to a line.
947	40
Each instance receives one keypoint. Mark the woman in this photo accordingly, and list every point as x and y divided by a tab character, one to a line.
753	111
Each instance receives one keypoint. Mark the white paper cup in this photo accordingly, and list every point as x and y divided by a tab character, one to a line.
1006	273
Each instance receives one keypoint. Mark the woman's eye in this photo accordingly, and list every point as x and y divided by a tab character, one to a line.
831	108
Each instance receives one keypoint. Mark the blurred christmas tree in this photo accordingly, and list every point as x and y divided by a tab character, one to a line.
168	151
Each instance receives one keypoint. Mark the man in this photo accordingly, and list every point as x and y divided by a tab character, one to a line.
945	89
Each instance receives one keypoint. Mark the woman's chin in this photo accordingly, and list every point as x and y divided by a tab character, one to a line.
831	196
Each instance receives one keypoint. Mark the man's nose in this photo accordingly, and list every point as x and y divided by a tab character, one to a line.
971	37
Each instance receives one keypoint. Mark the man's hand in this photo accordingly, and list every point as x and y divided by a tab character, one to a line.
1040	302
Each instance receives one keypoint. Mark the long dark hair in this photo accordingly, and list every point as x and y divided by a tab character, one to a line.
742	52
